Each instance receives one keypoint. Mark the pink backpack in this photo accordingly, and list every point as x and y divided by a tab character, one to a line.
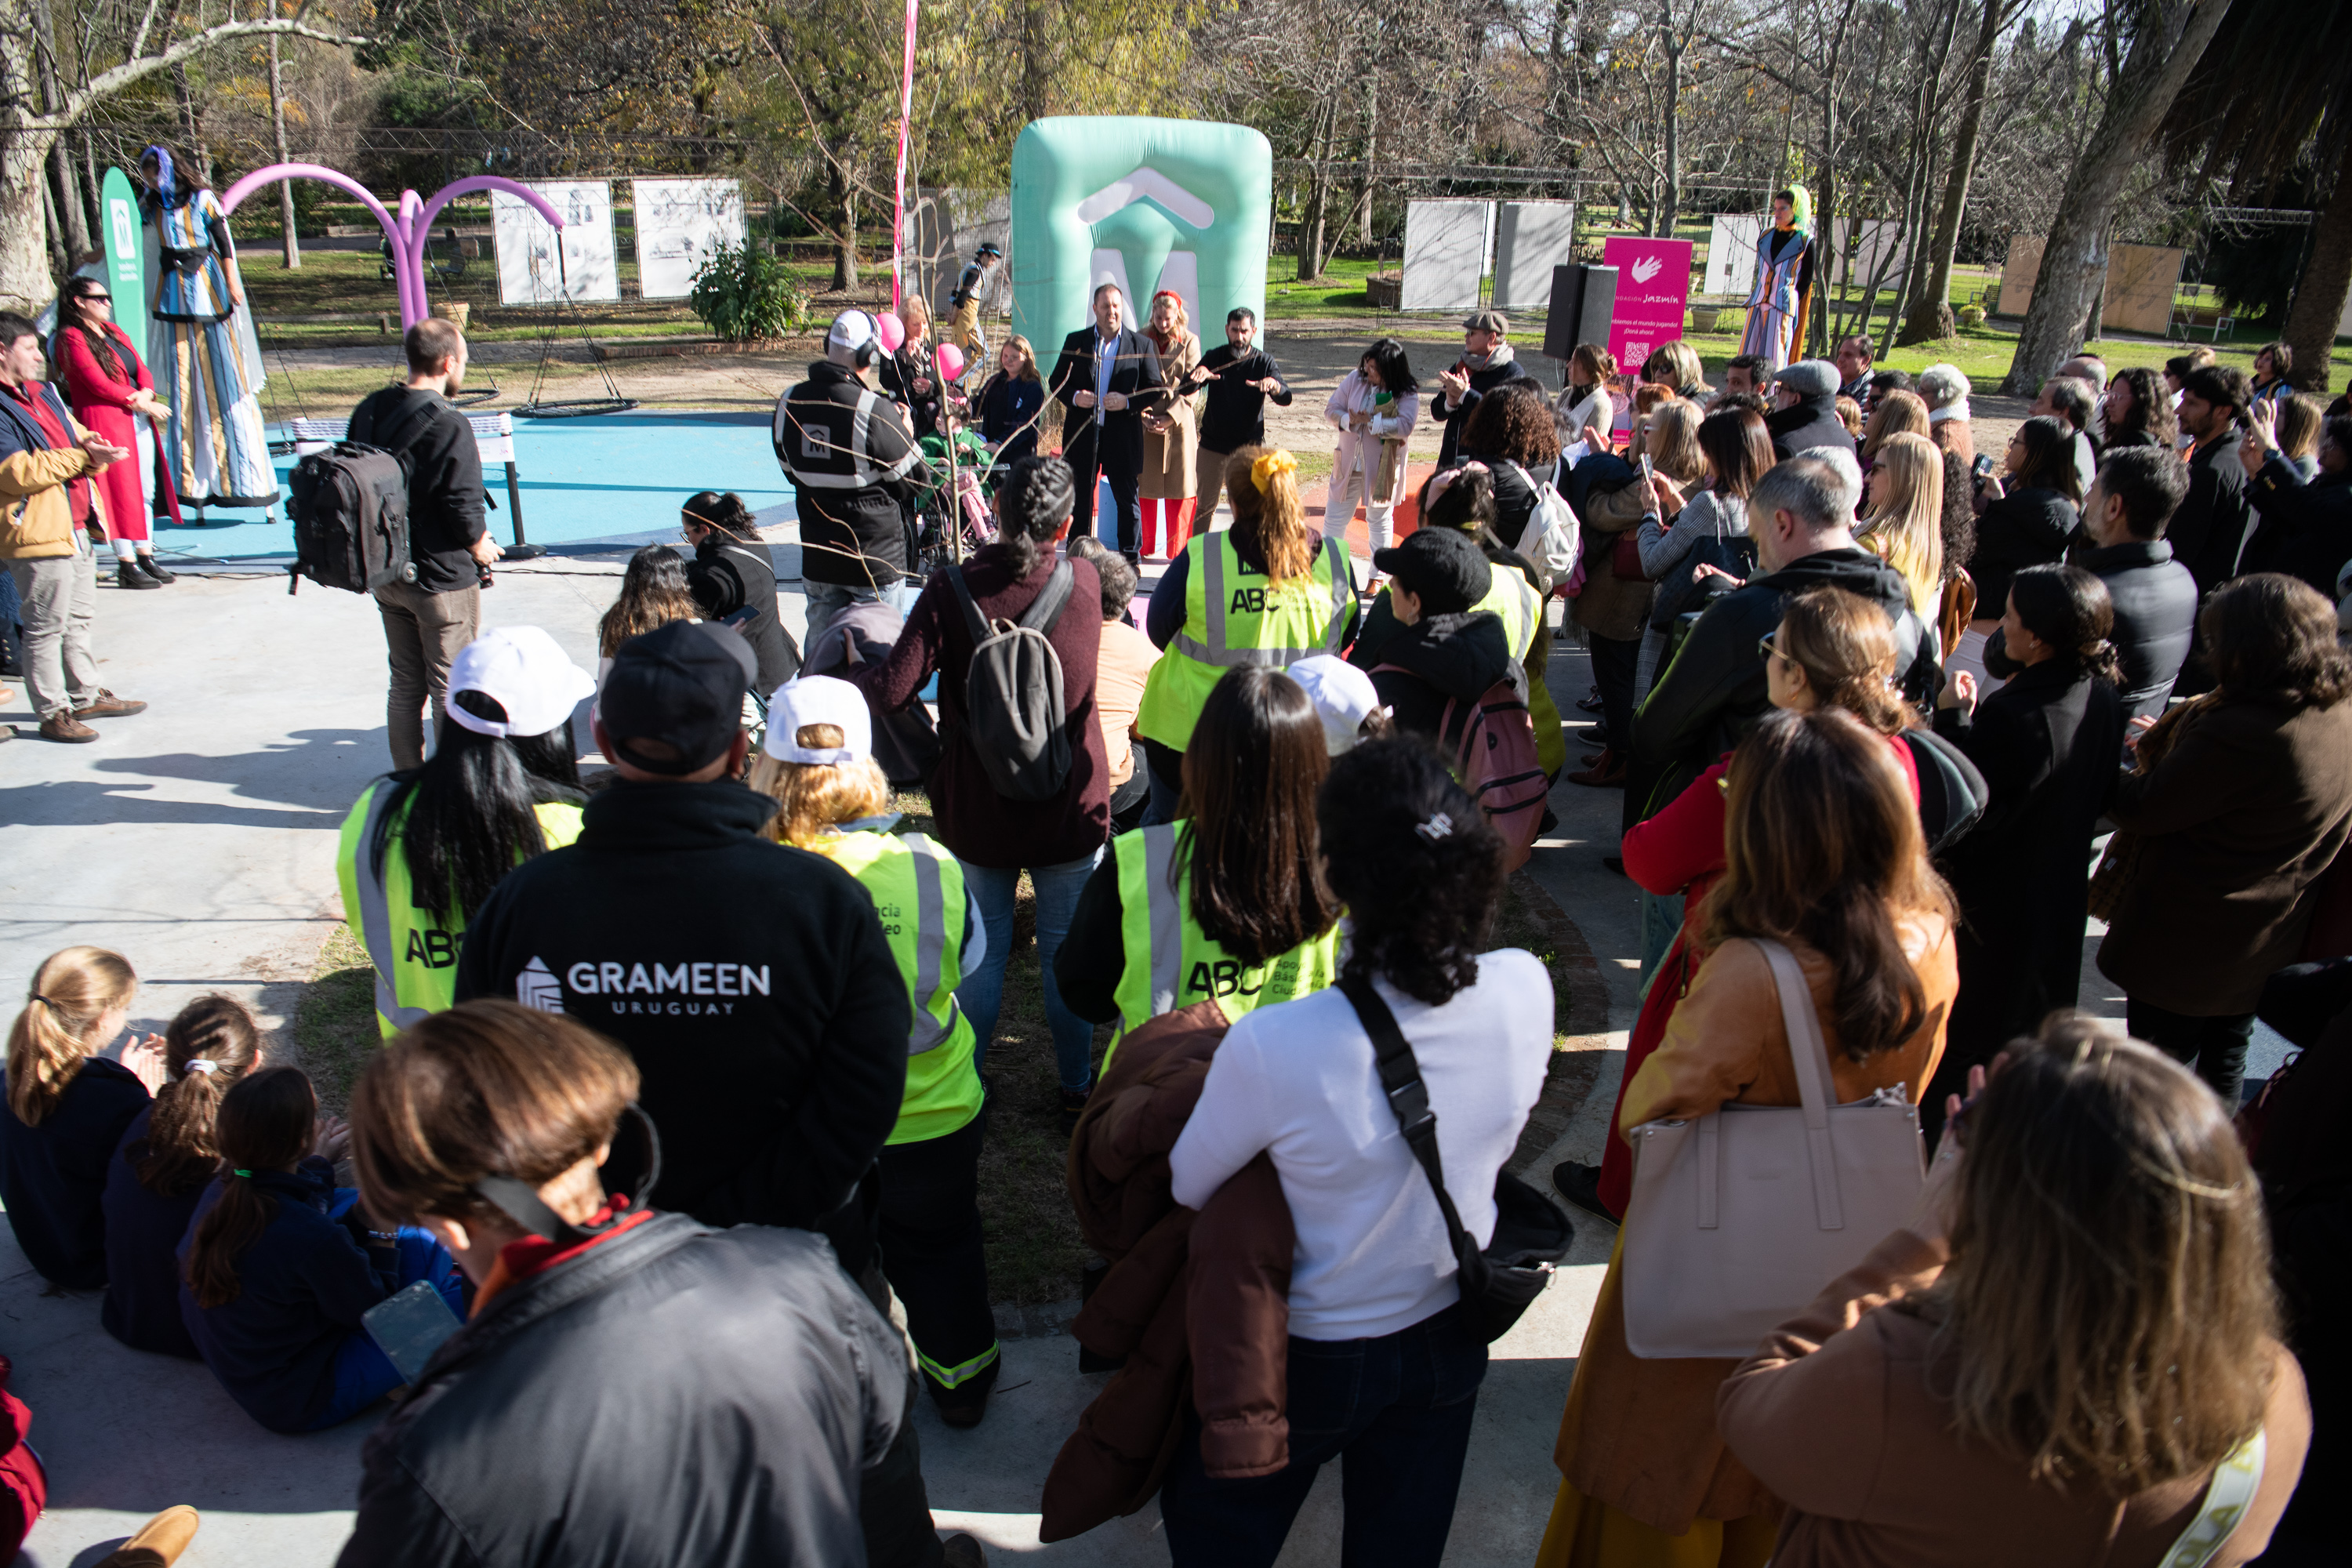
1494	757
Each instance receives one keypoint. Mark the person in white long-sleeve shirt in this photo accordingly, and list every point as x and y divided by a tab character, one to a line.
1374	408
1380	1369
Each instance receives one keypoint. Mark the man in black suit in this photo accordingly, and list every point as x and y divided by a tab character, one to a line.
1107	375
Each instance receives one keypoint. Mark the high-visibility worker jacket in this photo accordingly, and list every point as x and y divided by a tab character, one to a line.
918	892
413	951
1516	600
1231	618
1171	963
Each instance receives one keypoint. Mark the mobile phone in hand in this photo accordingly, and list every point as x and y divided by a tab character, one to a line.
408	1326
1648	473
1984	464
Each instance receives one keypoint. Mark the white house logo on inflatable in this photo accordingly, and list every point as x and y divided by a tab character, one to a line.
688	989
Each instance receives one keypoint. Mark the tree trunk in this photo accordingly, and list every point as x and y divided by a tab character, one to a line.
2075	257
293	247
2326	280
845	237
1670	201
1318	203
1035	69
25	279
1931	311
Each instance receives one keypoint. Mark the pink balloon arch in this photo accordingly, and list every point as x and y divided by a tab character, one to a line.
408	231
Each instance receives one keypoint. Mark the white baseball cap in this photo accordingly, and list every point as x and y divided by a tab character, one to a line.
818	700
851	331
1343	698
523	671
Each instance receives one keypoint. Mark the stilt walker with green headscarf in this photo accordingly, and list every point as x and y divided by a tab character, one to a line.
1782	300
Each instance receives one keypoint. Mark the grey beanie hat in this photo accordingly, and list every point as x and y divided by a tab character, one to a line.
1810	378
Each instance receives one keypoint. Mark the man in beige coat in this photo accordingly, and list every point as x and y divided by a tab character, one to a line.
47	507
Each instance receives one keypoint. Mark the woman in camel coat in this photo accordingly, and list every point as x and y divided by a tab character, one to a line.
1645	1478
1171	432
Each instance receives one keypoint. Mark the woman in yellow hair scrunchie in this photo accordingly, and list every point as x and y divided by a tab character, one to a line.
1282	587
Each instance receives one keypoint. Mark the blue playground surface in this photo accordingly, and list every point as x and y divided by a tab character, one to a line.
603	481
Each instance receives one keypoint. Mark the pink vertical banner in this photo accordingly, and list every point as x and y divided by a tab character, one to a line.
1653	291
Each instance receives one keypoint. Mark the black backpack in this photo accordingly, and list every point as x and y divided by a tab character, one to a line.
350	507
1013	692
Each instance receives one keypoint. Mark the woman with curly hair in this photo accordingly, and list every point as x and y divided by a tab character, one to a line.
1380	1373
1511	431
2139	411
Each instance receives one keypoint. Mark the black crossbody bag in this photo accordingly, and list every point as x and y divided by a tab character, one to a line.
1531	1235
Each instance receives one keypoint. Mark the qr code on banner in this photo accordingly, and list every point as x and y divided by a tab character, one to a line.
1637	351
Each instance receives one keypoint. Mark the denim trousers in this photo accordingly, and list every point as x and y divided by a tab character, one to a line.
364	1374
1394	1411
982	995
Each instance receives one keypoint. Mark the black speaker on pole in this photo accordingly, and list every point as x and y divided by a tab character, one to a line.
1582	301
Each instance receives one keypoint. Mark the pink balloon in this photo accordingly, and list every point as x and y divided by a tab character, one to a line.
891	330
950	363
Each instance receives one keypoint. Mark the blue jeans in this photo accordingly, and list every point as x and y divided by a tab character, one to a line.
1394	1410
364	1374
826	600
982	995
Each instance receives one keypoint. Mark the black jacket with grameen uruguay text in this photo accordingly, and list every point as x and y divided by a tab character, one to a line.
751	983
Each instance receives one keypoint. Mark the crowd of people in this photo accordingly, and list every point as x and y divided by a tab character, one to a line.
684	1078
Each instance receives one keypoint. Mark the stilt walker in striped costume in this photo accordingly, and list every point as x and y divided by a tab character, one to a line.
200	349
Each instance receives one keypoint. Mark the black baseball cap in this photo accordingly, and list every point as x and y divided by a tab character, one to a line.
1442	567
680	686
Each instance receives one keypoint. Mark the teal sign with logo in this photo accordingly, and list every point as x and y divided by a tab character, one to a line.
126	266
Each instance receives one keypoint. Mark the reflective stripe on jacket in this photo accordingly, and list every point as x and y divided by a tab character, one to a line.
1171	963
918	896
1231	618
413	951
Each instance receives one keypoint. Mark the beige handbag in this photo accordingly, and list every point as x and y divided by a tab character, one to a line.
1738	1220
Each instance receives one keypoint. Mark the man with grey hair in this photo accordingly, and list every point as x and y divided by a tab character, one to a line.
1801	516
2071	402
1804	409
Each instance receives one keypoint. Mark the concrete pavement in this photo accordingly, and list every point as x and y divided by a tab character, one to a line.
198	838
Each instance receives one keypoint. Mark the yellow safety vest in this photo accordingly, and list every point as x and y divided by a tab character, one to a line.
1171	963
1231	618
918	893
413	951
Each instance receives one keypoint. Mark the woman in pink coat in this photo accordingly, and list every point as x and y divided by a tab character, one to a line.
108	386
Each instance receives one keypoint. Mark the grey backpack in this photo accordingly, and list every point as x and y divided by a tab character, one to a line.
1013	692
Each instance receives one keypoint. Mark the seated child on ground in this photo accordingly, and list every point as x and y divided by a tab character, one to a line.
279	1266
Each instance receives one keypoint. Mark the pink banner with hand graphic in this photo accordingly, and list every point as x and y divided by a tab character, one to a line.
1652	291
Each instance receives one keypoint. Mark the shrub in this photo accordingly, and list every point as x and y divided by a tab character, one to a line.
742	293
1971	315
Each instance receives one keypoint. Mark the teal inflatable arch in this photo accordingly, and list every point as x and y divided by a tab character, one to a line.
1182	205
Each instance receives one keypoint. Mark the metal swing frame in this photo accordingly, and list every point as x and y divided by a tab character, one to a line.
578	407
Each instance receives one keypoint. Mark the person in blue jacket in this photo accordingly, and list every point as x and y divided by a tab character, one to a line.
278	1267
63	1109
161	1167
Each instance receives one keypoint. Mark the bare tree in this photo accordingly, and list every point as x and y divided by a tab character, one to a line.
30	128
2155	44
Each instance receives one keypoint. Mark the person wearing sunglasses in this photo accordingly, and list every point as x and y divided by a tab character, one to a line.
107	387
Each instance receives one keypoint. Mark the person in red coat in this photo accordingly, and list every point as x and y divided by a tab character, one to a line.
1832	649
108	385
